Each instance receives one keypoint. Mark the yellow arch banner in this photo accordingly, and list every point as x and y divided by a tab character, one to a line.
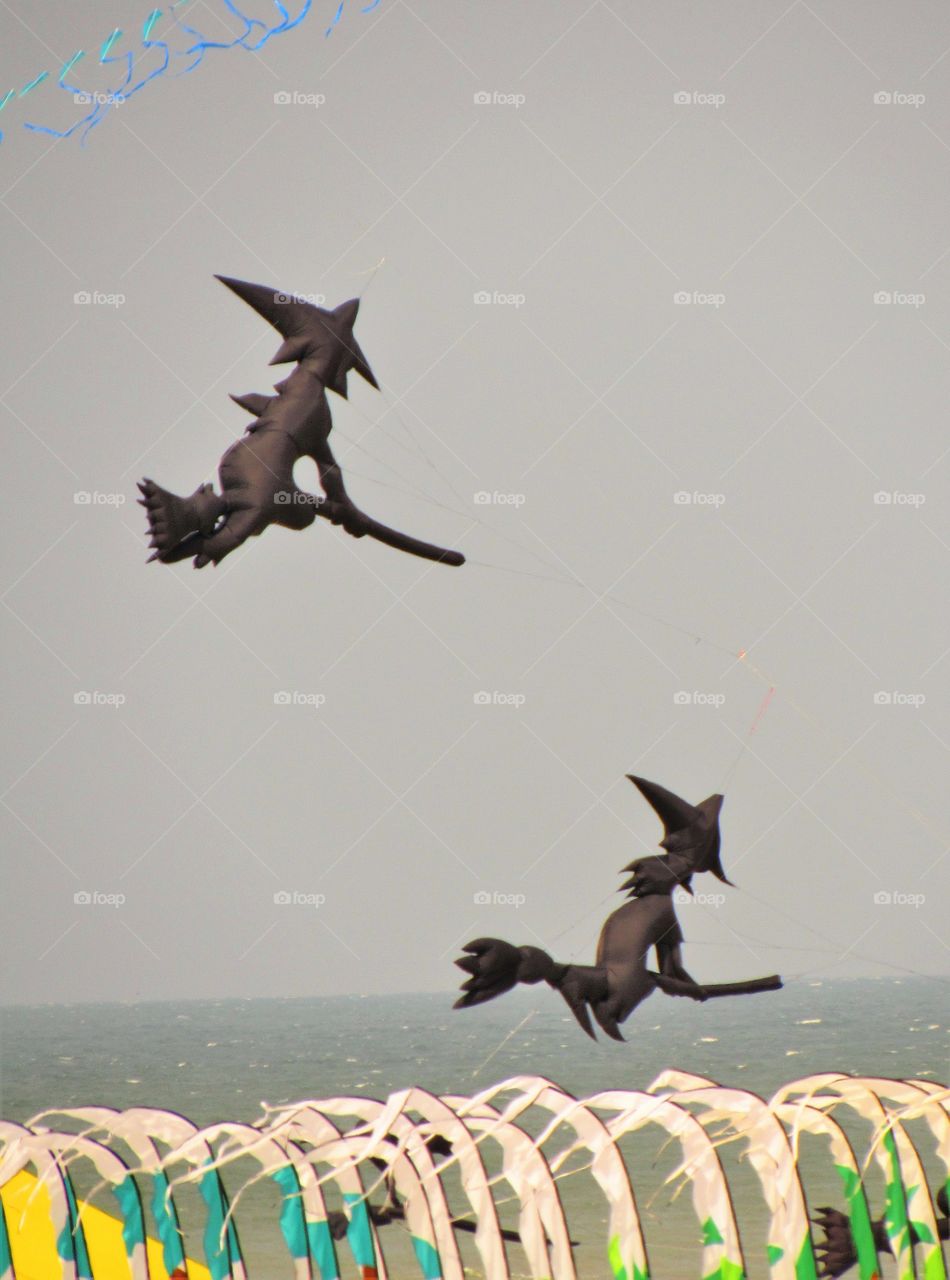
26	1206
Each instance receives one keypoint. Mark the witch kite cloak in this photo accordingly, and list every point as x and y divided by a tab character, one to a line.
619	980
257	472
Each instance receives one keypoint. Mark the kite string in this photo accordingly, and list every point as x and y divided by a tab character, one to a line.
741	655
412	490
372	273
393	407
460	511
408	488
878	779
501	1044
753	727
747	740
825	938
571	580
417	449
833	949
464	514
560	574
561	578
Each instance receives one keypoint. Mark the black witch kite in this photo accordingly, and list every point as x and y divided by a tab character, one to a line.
619	979
257	472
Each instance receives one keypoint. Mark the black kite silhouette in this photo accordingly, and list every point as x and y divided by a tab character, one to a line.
619	979
257	472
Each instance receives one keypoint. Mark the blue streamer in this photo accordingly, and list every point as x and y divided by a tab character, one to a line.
252	37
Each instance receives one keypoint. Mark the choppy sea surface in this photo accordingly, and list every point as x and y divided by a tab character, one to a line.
221	1060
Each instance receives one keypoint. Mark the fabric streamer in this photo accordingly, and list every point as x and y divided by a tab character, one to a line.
403	1148
180	48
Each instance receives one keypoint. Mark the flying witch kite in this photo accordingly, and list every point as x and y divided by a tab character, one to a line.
619	980
256	473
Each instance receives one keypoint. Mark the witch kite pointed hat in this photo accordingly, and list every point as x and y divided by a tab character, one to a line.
320	340
690	830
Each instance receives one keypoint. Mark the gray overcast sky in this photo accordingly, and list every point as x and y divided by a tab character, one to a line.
628	153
